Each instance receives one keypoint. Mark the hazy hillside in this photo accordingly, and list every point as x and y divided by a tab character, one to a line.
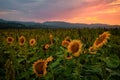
4	24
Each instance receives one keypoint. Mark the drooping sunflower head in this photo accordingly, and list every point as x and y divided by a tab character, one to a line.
75	47
10	40
40	67
101	40
51	39
51	36
22	40
32	42
92	50
65	43
49	59
68	39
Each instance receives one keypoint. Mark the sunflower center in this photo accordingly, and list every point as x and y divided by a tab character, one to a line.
75	47
10	39
22	40
32	42
46	46
40	68
100	39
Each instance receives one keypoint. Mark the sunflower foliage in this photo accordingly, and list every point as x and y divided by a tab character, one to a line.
59	55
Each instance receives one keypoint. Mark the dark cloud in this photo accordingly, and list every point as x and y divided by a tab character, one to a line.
52	8
7	5
26	1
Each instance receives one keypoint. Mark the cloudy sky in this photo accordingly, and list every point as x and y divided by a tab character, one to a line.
74	11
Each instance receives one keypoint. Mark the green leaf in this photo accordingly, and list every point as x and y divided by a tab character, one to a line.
96	68
20	60
91	78
113	61
56	63
32	59
114	76
49	76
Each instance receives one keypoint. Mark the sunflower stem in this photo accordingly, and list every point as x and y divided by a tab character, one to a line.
52	73
38	78
78	67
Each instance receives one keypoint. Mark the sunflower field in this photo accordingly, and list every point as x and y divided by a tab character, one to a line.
60	54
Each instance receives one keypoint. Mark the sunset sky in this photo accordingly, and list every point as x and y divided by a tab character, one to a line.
74	11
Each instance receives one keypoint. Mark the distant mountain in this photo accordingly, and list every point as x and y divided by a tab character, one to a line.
76	25
4	24
19	22
2	20
60	24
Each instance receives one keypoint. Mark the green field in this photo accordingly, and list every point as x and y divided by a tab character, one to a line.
16	61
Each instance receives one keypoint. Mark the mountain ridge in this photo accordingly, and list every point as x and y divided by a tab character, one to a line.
52	24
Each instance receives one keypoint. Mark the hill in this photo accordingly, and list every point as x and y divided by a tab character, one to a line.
4	24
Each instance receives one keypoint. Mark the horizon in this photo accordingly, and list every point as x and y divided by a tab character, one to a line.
61	22
74	11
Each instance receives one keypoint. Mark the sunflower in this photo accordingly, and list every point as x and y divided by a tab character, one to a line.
51	36
51	39
46	46
68	39
101	40
92	50
40	67
21	40
32	42
65	43
49	59
75	47
10	40
68	56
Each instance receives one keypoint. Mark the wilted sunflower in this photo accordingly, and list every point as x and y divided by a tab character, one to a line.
40	67
10	40
75	47
32	42
65	43
22	40
101	40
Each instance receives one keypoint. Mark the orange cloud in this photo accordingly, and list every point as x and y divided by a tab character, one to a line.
116	2
91	18
102	13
